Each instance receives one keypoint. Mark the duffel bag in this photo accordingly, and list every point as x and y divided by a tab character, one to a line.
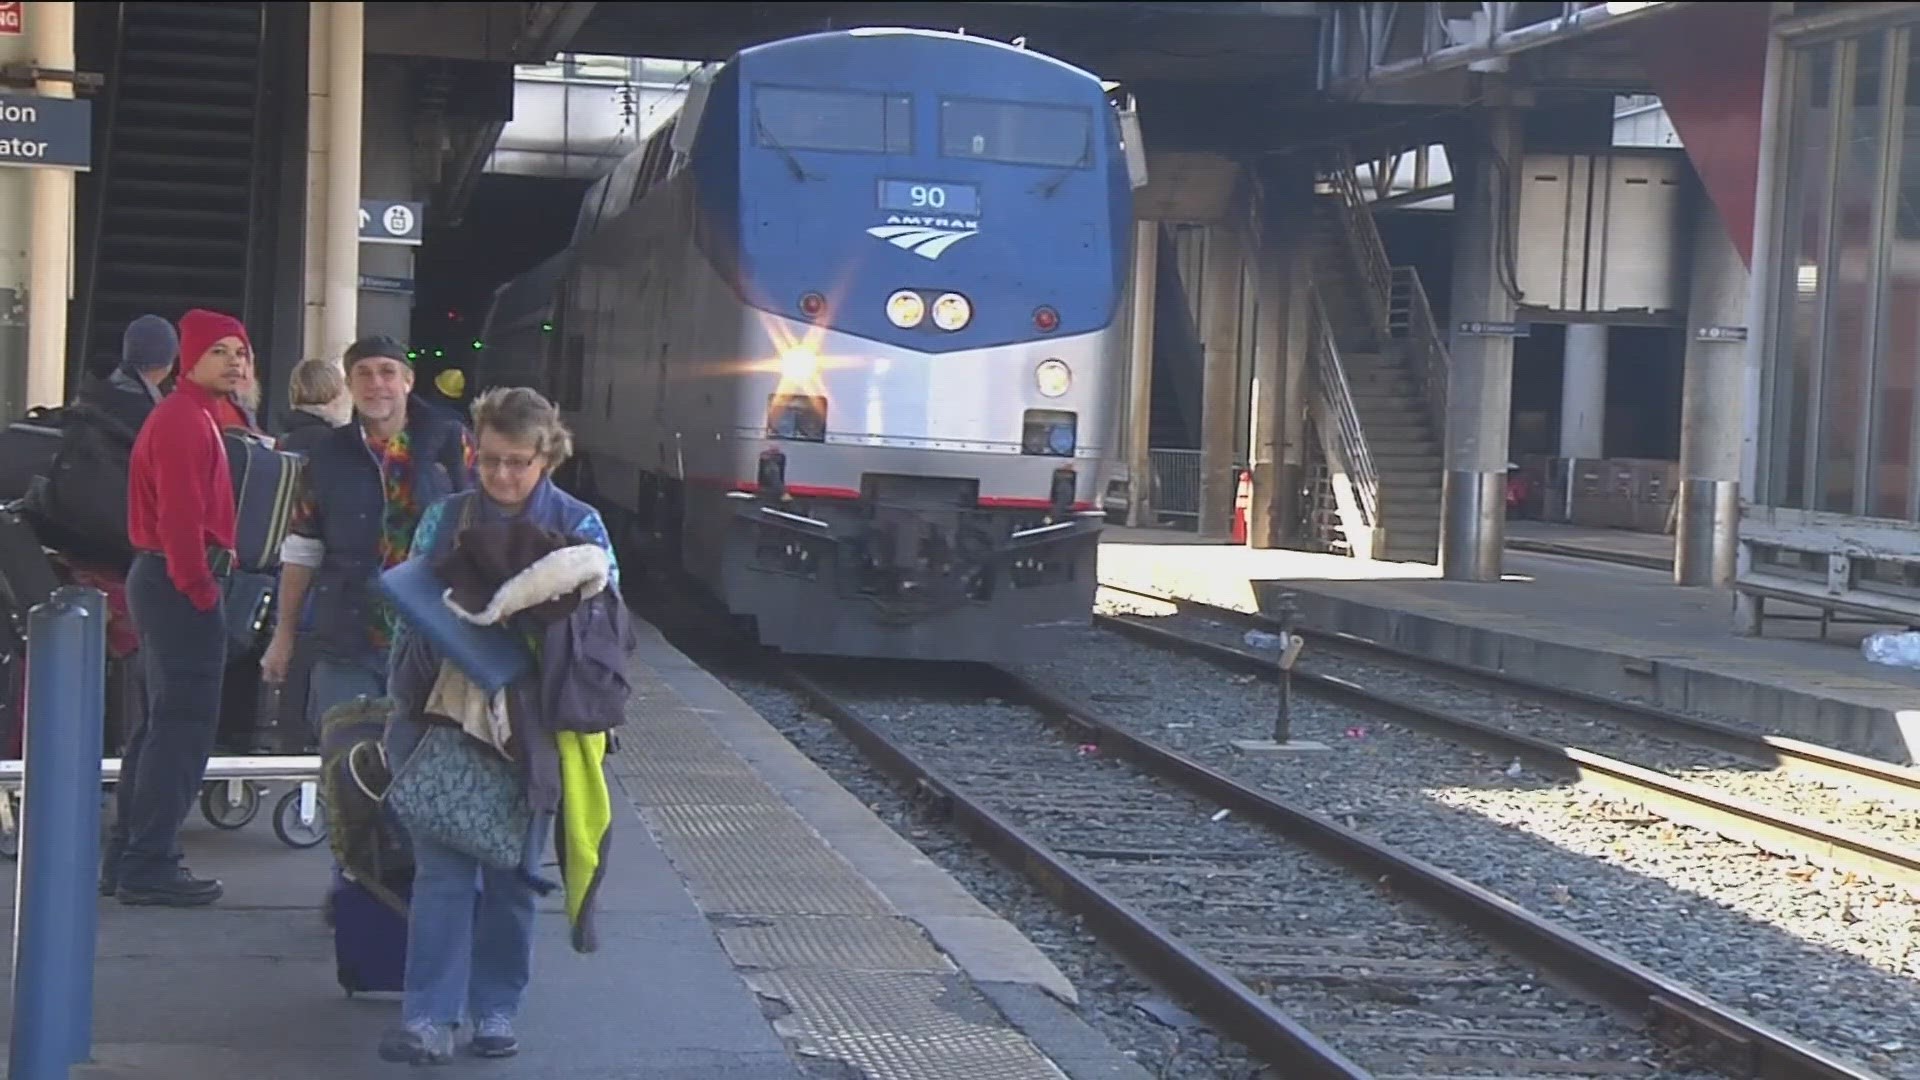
265	482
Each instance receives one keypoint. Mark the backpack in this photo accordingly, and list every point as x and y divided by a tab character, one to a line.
80	505
369	845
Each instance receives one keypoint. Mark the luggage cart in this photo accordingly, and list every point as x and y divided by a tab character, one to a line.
231	797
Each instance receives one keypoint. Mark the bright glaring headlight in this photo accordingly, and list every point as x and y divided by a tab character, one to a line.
951	311
905	309
1052	378
799	364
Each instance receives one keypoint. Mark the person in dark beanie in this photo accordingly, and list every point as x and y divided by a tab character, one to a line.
180	517
133	388
362	492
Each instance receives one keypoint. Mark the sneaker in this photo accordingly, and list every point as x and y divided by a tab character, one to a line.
419	1042
180	890
493	1038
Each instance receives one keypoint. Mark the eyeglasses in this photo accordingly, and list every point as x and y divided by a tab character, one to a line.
502	463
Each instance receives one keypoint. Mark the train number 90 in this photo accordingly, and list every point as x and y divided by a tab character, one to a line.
927	197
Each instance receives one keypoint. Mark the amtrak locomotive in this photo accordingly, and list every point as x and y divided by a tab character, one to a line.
842	339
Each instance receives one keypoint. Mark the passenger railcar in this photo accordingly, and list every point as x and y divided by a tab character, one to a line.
843	340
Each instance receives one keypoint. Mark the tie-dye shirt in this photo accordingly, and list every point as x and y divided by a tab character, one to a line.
398	519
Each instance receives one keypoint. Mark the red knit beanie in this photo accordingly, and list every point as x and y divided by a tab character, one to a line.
200	329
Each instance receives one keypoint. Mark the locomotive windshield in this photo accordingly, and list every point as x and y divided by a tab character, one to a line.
1016	133
842	121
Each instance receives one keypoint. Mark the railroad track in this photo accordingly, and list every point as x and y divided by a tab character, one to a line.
1877	805
1308	950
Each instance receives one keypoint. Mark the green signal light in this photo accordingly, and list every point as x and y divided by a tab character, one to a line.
478	344
546	328
439	352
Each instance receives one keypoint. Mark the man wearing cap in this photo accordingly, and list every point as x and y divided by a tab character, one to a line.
180	518
361	494
131	391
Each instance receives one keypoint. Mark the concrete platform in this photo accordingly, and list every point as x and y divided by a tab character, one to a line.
1651	551
755	917
1595	626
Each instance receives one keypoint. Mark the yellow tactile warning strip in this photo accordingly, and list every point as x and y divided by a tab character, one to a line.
853	979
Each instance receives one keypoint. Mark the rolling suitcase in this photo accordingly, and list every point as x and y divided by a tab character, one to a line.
265	482
369	939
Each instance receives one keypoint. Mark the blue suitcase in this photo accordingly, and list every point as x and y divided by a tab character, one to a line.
369	939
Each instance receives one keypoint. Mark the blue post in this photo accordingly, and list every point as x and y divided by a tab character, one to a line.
86	805
55	889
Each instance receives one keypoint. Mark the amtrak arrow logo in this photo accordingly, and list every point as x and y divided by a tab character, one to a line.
924	241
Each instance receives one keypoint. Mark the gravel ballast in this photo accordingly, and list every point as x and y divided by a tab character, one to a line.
1859	811
1824	957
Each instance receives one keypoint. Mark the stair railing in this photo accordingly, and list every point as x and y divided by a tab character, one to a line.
1356	480
1363	239
1410	319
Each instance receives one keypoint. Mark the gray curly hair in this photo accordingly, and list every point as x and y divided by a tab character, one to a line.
521	414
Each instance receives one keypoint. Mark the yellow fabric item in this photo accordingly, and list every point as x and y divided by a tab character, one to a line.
586	819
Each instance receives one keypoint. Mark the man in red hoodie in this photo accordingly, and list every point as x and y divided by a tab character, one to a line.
180	517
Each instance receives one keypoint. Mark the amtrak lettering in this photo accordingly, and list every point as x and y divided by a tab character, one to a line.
927	237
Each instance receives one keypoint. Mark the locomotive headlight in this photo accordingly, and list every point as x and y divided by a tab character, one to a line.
799	364
905	309
1052	378
951	311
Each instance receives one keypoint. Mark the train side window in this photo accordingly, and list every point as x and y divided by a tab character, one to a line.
840	121
1017	132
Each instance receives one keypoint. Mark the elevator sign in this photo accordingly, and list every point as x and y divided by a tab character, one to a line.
386	221
13	19
1495	329
46	132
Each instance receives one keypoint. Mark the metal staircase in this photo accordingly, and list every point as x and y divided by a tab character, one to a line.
177	195
1380	386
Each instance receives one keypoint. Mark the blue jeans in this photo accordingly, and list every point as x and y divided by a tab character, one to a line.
184	654
334	680
468	955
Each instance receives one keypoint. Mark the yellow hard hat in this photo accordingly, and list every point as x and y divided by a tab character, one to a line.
451	382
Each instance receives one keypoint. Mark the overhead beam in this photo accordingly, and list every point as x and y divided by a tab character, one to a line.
1576	24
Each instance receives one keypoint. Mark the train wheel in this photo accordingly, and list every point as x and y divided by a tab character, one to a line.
291	830
225	807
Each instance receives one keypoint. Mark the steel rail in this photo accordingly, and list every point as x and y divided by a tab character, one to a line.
1209	989
1734	1044
1870	776
1681	801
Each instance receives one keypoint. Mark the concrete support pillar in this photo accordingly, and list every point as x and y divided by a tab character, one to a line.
1220	299
1296	351
1277	422
1480	381
1763	286
346	55
50	237
1266	439
1146	258
335	74
1583	392
1711	417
